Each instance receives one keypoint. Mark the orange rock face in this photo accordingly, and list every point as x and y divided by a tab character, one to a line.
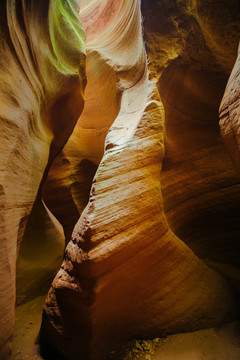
125	273
37	98
187	47
229	114
141	182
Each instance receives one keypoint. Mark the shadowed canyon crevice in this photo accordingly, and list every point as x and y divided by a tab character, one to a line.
119	187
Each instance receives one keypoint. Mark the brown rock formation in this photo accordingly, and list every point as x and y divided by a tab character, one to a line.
100	298
230	115
70	177
40	92
125	273
113	64
191	54
200	187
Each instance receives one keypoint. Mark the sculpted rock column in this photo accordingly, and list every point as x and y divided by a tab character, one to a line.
125	274
113	64
41	72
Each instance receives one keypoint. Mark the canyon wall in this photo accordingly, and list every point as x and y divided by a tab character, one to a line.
191	53
40	93
125	274
140	187
229	114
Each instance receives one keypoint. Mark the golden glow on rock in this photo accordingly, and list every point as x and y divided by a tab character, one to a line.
118	133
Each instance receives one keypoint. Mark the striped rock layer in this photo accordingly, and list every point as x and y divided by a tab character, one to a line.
125	273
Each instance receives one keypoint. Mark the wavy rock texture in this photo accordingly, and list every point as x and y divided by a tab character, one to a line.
100	298
35	96
113	64
191	54
229	114
70	177
125	273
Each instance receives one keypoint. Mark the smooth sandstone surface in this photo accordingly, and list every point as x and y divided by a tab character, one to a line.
125	274
138	172
36	98
191	54
113	65
229	114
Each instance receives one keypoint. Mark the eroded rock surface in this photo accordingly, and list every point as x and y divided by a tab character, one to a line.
230	114
191	54
38	92
125	273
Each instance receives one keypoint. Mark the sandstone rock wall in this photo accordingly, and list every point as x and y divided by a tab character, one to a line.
144	167
35	99
125	274
191	53
229	114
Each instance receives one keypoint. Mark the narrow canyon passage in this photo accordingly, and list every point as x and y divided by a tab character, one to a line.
133	232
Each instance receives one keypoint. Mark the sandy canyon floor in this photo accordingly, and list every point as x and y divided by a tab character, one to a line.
221	343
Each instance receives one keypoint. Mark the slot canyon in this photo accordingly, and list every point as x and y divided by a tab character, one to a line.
119	181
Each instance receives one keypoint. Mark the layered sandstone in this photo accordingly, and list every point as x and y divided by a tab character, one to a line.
70	177
140	187
113	64
37	99
125	273
230	114
191	53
